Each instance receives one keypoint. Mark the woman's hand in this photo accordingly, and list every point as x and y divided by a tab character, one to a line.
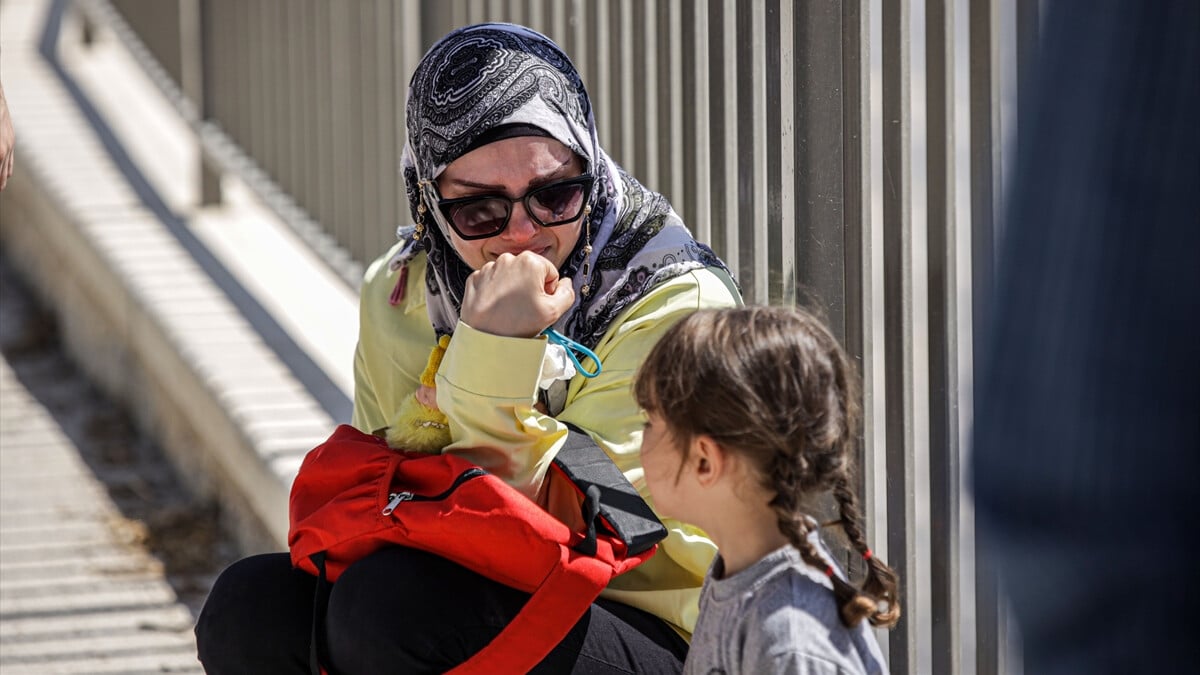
516	296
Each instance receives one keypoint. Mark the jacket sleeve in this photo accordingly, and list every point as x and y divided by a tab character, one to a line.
487	387
393	342
367	415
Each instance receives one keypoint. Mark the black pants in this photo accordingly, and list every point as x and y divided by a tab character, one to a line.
404	611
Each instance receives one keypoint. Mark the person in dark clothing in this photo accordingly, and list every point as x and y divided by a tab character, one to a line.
1087	438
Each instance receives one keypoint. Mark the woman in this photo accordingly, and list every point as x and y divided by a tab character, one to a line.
522	223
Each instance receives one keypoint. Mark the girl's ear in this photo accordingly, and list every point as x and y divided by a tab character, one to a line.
710	460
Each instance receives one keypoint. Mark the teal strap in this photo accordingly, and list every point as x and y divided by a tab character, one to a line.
572	347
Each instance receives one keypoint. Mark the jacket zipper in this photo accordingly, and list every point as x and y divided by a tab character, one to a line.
396	498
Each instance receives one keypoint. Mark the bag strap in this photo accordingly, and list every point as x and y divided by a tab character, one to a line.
583	462
543	622
320	604
567	593
550	613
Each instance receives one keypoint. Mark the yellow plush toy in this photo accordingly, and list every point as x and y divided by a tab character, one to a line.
419	426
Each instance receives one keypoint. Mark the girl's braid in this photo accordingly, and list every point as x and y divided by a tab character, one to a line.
881	583
791	469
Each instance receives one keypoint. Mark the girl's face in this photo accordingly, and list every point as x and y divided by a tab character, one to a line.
662	464
512	167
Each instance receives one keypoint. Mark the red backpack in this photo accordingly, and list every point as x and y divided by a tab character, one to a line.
355	495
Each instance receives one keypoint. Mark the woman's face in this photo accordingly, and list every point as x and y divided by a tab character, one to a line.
512	167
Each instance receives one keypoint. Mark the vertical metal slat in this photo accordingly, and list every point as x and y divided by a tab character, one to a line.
408	47
696	122
649	131
750	130
323	140
240	122
784	183
369	134
860	257
943	342
726	66
307	138
819	115
897	269
774	110
339	72
985	162
601	76
269	85
623	66
294	152
257	85
386	171
670	158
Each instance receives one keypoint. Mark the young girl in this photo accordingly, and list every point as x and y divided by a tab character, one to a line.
751	414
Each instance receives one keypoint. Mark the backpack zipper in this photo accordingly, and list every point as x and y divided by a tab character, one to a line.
396	498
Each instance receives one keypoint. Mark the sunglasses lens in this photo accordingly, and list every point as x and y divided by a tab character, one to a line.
486	216
479	218
557	203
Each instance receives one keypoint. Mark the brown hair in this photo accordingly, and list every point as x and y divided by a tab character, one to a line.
773	385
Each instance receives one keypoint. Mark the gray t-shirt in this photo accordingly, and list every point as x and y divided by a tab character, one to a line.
777	616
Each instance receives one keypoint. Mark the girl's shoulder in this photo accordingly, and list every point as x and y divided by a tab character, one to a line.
801	623
797	616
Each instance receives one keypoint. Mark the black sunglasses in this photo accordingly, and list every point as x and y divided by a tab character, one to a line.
486	215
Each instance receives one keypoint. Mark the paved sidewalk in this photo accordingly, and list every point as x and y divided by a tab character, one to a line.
225	336
229	340
78	594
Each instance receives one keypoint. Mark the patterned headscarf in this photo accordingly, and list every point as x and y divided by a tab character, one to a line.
481	77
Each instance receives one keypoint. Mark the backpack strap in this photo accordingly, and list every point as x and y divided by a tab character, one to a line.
549	614
622	508
567	593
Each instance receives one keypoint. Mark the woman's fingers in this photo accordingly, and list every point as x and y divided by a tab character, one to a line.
516	296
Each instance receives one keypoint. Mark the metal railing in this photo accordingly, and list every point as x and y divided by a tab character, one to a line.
845	155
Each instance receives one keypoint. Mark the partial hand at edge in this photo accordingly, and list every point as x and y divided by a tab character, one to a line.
8	140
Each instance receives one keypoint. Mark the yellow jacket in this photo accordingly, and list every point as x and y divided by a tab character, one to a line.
487	387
